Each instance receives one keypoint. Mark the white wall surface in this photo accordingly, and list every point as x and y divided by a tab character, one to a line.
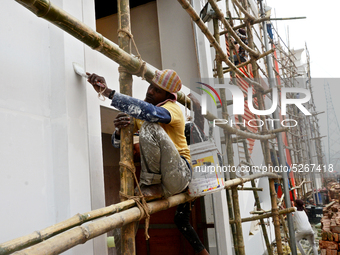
49	131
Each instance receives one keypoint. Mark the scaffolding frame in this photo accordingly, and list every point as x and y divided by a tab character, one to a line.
298	140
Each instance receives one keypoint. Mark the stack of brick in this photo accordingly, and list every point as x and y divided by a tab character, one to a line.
333	190
330	225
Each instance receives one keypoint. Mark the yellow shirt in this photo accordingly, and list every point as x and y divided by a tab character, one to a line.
174	129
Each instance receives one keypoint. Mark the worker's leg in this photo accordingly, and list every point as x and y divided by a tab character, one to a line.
311	240
182	217
160	161
298	237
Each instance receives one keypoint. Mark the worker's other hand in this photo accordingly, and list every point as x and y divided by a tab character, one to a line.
122	120
98	82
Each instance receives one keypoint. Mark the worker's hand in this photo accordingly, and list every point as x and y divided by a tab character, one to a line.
98	82
122	120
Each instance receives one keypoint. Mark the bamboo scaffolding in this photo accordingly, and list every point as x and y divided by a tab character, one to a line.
195	17
267	215
101	44
126	146
69	238
231	30
257	199
227	142
234	193
77	220
46	10
244	11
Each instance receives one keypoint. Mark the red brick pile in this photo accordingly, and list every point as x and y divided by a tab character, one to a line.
330	225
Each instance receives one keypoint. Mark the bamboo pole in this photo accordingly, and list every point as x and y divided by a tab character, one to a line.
244	11
231	207
231	30
128	245
195	17
267	215
39	236
50	12
65	240
248	61
45	9
257	199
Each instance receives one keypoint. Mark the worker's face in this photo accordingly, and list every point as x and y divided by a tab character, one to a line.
155	95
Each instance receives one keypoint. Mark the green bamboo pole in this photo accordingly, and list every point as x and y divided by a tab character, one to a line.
128	245
77	220
66	238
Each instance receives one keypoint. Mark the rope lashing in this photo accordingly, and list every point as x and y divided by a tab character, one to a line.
140	199
142	69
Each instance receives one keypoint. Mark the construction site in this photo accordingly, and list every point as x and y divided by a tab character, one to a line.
74	192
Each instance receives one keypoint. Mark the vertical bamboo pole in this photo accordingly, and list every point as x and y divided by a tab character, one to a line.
126	146
265	147
257	199
229	199
236	206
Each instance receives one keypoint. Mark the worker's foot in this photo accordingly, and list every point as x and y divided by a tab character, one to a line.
151	192
204	252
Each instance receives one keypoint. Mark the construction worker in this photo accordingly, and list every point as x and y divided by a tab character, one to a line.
303	227
165	156
242	54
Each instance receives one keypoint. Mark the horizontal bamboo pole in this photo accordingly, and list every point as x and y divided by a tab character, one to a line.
184	100
45	9
81	234
248	62
248	189
39	236
278	130
48	11
265	215
239	132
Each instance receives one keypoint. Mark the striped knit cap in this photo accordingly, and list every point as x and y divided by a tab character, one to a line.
168	80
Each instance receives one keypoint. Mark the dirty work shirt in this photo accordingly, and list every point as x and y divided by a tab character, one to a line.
164	151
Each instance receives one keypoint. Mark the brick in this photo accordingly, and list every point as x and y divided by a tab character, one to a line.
336	237
324	236
331	252
335	229
330	245
330	236
323	252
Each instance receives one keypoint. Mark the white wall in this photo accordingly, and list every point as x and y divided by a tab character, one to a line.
50	150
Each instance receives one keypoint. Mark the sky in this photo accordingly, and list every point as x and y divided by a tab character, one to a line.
319	32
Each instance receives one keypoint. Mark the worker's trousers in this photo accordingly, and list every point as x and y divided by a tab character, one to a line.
309	235
182	221
160	160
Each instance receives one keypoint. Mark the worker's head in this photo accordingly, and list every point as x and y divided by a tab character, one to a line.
242	31
299	204
163	86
